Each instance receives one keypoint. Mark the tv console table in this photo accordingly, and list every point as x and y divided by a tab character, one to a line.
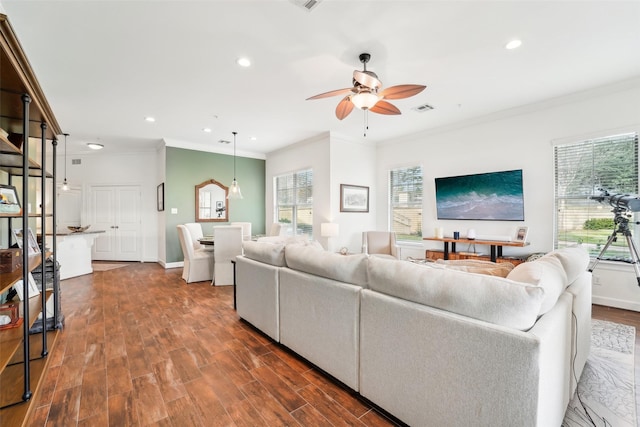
496	246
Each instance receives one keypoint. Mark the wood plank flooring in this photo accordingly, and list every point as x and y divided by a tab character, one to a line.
143	348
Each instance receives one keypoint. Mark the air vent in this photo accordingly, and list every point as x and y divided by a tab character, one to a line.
224	141
422	108
76	161
307	5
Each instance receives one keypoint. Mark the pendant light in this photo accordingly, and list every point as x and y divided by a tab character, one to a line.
234	190
65	184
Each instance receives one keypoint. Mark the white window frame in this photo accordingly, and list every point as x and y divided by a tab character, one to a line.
295	205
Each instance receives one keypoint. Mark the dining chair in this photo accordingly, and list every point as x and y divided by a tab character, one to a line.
246	229
380	243
228	246
198	263
195	229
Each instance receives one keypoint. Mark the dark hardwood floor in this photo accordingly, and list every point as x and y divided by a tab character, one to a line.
141	347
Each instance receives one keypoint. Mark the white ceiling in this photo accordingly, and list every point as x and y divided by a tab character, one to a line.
105	65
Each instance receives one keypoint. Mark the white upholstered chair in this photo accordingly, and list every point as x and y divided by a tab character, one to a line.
246	229
228	245
198	263
380	243
275	230
195	229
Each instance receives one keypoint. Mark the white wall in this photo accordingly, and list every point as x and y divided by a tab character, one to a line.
126	168
334	161
352	163
519	139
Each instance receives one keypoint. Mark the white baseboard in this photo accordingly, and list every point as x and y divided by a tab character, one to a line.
617	303
171	264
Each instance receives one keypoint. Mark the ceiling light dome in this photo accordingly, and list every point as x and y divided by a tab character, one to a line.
95	146
365	100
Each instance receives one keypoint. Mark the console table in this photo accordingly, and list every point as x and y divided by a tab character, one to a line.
496	246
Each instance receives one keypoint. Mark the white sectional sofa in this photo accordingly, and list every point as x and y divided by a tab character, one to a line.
429	344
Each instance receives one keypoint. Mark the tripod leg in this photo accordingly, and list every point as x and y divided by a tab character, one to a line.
634	256
611	239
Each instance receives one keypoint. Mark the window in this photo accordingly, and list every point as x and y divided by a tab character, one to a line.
584	170
405	203
294	202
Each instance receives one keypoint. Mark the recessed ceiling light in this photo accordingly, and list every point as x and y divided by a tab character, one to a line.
513	44
150	119
253	138
95	146
208	130
243	62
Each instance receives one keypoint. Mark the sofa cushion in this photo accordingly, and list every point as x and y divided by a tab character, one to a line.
546	272
268	253
488	298
347	269
574	259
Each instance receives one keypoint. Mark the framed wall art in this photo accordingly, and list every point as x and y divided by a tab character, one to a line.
161	197
354	198
9	203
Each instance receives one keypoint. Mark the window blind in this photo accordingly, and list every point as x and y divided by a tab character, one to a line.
294	202
405	202
585	169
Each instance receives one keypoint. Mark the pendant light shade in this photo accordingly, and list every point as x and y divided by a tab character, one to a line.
234	189
65	184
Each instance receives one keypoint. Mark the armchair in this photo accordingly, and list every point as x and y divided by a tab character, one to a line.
198	263
380	243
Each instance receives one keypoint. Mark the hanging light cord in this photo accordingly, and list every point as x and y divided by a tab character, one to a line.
234	154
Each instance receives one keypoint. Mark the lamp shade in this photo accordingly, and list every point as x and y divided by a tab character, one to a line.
365	100
329	229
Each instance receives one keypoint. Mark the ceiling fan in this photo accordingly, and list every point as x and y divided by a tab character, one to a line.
366	94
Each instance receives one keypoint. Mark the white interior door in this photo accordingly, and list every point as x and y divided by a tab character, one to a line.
116	210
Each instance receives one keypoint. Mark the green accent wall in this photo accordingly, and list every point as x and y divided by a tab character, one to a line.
187	168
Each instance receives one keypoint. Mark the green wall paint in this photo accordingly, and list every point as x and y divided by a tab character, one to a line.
187	168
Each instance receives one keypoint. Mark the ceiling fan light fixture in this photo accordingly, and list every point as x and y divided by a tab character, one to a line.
365	100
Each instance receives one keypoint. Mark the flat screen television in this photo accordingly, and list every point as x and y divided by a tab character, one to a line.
493	196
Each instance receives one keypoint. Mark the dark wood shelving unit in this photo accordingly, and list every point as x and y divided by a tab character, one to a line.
27	118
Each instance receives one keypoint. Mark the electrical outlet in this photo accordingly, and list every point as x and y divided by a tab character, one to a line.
174	211
596	280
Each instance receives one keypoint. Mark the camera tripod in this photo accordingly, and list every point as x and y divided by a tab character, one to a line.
621	221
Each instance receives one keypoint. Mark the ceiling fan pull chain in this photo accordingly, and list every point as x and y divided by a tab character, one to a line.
366	122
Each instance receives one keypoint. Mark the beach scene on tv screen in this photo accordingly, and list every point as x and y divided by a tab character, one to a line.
494	196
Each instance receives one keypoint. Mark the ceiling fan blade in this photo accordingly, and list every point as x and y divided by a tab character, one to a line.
401	91
332	93
384	107
344	108
366	79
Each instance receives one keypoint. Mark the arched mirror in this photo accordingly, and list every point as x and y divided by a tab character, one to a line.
211	202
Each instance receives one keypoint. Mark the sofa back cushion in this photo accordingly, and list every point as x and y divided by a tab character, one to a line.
546	272
488	298
477	266
574	260
268	253
343	268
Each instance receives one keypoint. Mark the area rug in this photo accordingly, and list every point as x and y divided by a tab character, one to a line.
606	391
102	266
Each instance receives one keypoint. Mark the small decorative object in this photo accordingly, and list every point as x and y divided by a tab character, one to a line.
344	250
78	229
521	234
471	234
32	289
9	202
439	232
9	316
31	240
354	198
456	235
10	260
161	197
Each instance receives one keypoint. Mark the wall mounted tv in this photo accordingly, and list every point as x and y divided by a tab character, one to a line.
493	196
